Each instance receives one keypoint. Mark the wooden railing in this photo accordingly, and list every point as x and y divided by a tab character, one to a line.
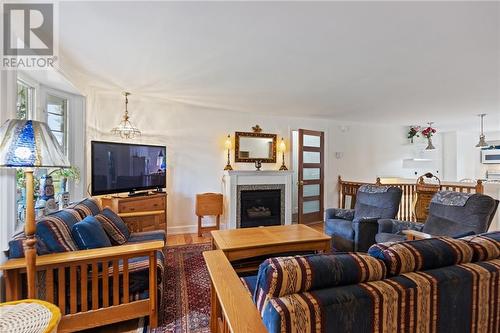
89	286
347	193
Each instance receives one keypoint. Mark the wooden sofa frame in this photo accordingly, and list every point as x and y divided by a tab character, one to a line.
232	308
94	282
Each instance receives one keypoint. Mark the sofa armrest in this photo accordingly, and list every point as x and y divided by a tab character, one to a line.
365	229
232	307
385	225
413	235
136	249
339	213
393	226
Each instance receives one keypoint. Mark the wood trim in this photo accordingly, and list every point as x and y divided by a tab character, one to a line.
141	214
83	255
230	296
255	135
103	316
299	246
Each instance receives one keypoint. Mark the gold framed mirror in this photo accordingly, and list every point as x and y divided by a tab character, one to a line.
255	146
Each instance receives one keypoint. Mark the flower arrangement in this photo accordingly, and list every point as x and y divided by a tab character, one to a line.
428	132
413	132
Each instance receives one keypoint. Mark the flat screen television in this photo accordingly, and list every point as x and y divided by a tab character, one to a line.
125	167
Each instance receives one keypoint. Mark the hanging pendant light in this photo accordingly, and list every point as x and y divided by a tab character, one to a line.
482	138
125	129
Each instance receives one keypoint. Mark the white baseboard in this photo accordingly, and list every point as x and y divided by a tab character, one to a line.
187	229
182	229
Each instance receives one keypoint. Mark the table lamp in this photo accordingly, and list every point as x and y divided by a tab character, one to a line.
29	144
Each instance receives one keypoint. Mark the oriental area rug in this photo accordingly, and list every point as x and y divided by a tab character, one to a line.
186	292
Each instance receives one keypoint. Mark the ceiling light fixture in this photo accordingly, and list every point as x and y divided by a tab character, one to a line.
125	129
482	139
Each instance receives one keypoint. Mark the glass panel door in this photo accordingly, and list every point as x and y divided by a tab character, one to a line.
310	176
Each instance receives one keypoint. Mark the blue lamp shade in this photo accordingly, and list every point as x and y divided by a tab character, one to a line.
29	143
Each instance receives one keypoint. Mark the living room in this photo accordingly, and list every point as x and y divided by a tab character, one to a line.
346	95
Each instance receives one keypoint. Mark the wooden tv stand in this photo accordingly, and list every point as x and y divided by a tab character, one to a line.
134	206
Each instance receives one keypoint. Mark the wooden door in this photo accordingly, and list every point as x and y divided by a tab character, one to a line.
311	161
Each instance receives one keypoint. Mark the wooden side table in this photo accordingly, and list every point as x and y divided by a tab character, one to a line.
29	315
208	204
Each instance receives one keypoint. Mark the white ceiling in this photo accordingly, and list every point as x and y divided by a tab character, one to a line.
397	62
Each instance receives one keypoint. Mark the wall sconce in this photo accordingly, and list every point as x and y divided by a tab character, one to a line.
282	149
227	145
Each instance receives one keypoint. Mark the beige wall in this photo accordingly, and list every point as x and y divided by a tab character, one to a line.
195	137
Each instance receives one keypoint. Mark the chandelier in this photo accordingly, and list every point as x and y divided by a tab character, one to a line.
125	129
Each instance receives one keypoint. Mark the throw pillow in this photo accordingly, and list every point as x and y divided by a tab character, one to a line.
114	226
89	234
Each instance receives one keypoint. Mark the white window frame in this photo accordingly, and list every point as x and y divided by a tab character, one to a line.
63	96
31	97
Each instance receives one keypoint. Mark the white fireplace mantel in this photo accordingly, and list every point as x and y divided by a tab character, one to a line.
233	178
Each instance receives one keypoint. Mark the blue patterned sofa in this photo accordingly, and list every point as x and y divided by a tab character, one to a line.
430	285
74	277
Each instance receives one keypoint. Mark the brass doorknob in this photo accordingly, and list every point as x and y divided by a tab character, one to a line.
300	183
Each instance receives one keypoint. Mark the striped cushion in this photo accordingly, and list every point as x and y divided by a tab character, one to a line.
114	226
485	246
54	230
288	275
16	246
145	236
423	254
88	206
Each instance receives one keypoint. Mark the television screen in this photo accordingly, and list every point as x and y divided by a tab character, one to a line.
123	167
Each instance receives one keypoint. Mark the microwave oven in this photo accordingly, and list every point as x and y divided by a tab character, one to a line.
490	156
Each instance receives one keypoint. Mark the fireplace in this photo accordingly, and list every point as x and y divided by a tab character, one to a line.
260	205
237	181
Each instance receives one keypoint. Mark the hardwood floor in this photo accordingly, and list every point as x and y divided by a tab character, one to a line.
172	240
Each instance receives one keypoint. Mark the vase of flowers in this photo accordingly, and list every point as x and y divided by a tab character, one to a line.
428	132
413	132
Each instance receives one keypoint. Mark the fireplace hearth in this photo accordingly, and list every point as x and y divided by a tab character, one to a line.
260	208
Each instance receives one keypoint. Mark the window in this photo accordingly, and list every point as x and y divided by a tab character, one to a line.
25	100
56	118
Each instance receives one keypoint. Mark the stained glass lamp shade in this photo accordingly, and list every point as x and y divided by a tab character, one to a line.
28	144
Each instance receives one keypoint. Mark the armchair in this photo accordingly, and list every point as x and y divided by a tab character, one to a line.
355	229
453	214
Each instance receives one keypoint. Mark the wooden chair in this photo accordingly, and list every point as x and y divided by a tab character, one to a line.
208	204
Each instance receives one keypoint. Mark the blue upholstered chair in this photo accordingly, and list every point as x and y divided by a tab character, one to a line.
453	214
355	229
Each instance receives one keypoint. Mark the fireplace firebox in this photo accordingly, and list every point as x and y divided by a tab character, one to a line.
260	208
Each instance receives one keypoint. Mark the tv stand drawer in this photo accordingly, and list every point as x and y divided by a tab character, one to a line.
154	202
142	204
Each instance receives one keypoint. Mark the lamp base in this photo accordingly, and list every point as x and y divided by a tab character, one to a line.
283	168
228	167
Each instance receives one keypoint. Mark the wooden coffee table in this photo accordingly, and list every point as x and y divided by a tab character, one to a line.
239	244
